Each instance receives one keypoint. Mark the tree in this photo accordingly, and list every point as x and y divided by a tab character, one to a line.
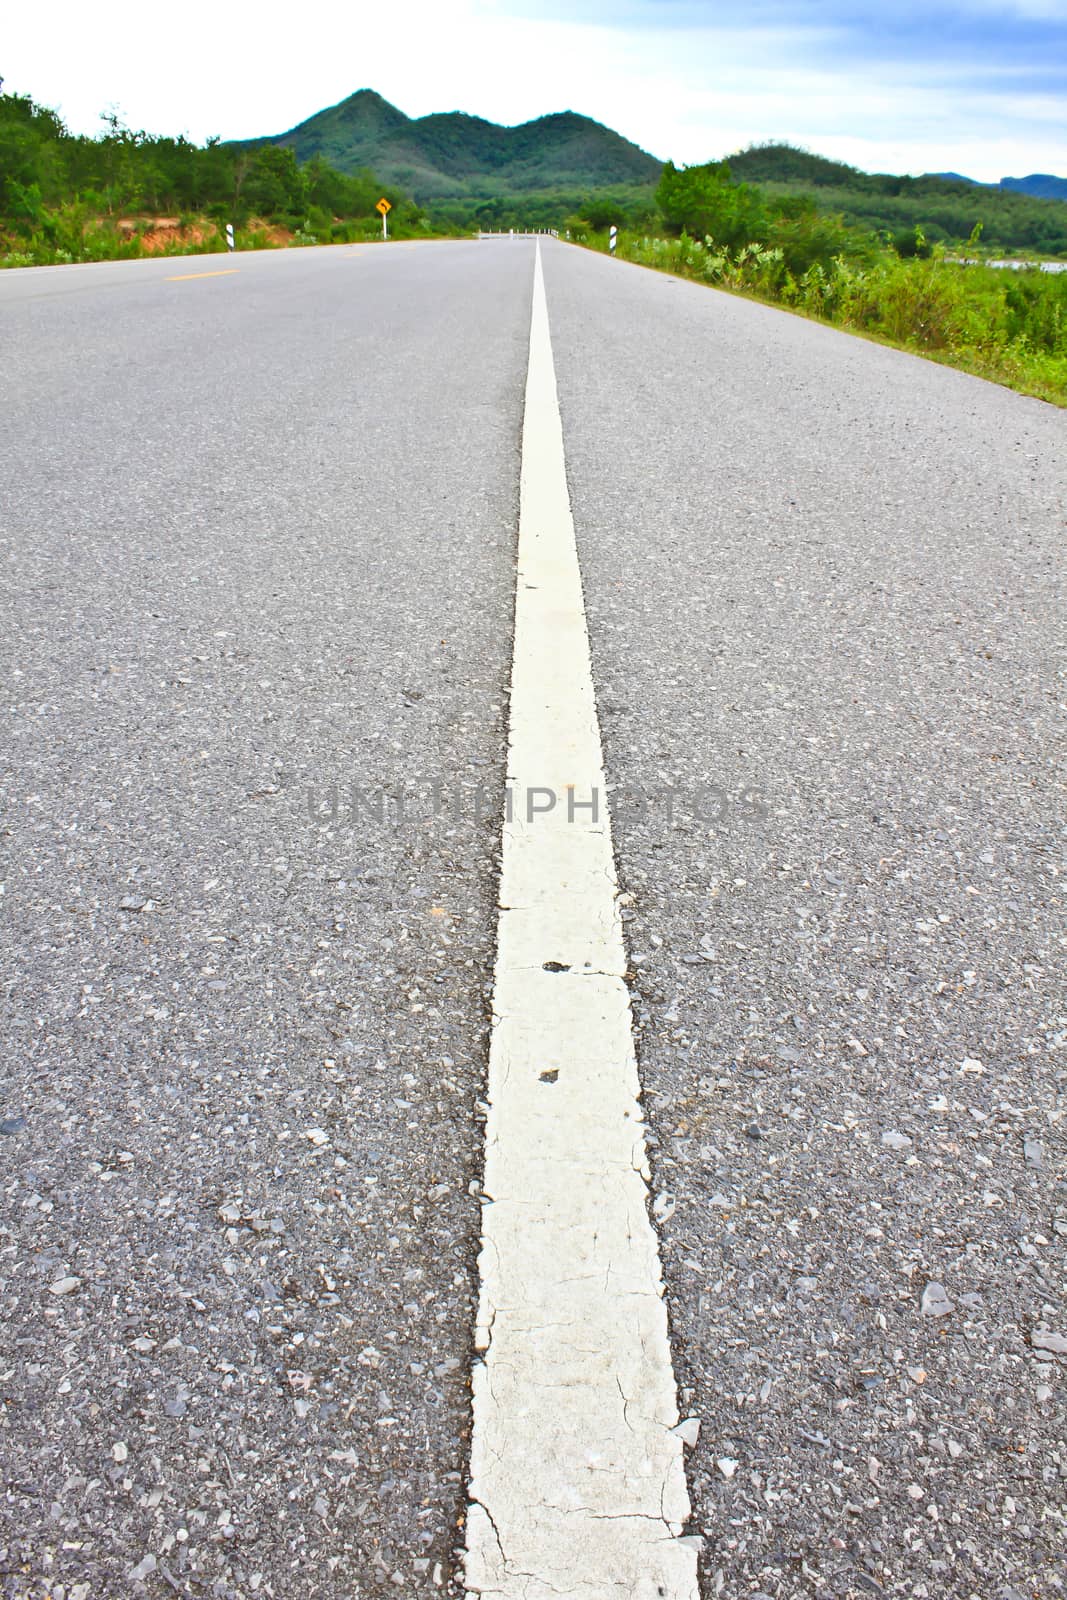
602	212
704	201
276	185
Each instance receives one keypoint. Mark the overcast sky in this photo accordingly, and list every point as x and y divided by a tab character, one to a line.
892	85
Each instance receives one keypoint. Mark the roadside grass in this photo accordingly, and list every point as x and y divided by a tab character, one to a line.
1007	326
73	235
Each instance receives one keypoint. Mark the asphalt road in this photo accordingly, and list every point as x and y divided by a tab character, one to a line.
259	538
824	580
259	535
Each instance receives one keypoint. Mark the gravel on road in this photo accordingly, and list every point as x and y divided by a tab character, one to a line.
259	541
822	581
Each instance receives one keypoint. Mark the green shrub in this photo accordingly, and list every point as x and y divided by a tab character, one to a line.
1005	326
1036	310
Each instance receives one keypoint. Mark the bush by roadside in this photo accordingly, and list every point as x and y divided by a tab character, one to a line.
1007	326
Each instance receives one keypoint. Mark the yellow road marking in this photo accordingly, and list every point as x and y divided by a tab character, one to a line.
223	272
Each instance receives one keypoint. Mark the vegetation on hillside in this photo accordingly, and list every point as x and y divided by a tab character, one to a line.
556	169
450	155
65	197
947	209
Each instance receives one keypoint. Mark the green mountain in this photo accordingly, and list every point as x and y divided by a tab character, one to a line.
945	205
450	154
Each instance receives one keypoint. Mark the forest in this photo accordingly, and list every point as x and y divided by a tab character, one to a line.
67	197
946	208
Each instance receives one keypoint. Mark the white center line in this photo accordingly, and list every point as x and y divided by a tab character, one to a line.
577	1485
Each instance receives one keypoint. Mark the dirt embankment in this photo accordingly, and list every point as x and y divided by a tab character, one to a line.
162	233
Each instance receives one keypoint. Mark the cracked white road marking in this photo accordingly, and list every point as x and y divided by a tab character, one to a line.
577	1486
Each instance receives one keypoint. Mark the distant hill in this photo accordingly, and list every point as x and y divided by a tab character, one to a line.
1042	185
450	154
783	162
1039	185
1015	214
472	171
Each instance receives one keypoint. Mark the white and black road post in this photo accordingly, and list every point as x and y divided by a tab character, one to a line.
229	237
613	238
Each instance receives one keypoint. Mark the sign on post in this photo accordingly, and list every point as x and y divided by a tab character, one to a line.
384	207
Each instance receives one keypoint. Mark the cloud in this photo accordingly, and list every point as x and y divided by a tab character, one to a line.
911	86
1028	34
979	87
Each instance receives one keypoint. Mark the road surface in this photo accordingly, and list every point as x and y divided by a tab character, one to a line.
259	519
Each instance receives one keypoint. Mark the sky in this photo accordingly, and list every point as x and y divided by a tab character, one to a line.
892	85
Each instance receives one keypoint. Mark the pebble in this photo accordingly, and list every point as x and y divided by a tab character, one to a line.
12	1125
727	1466
896	1141
688	1430
64	1285
1042	1340
1033	1154
935	1301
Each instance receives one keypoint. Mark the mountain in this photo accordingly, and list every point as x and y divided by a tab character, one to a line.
946	206
1041	185
452	154
783	163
